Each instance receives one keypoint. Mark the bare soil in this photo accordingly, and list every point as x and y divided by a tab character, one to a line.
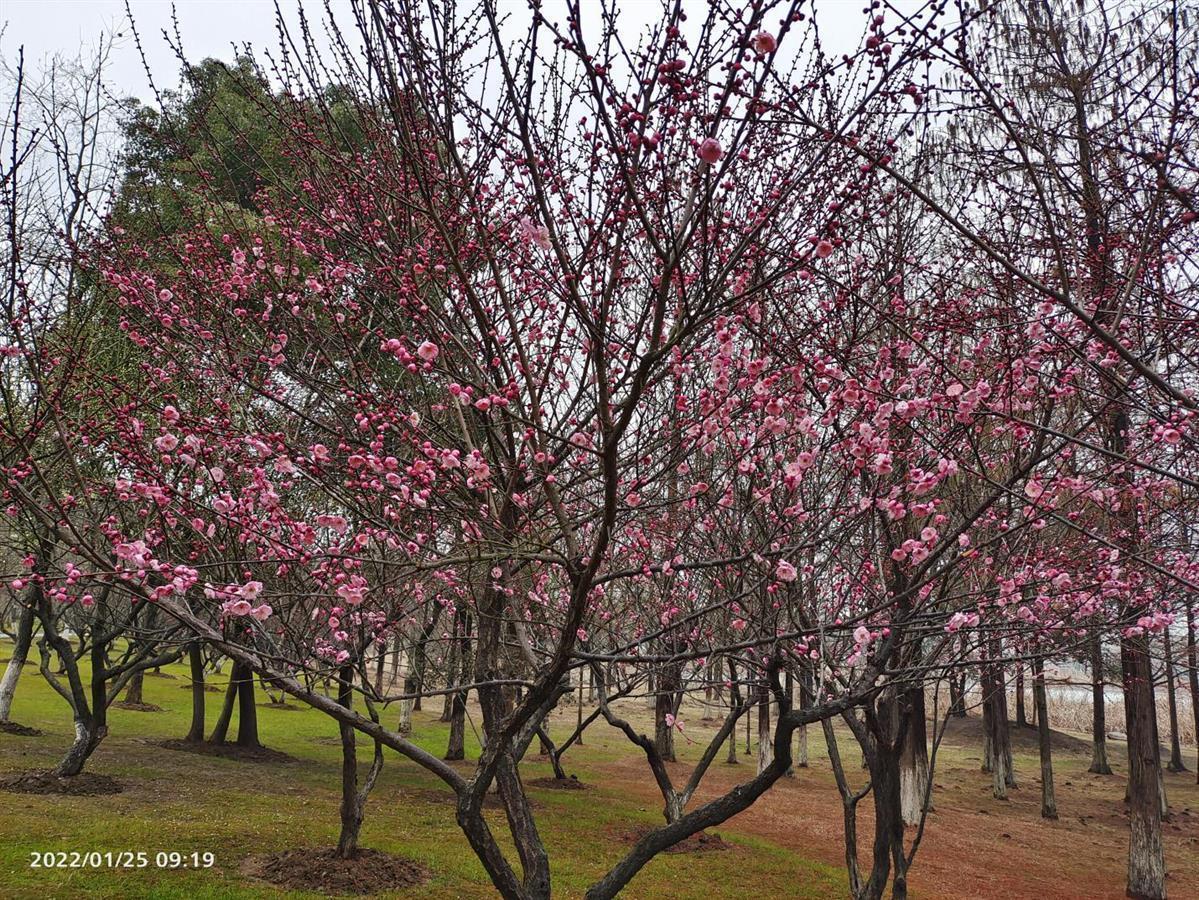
322	871
703	842
558	784
226	751
84	785
18	729
137	707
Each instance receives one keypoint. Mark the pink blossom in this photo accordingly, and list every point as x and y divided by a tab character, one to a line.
710	151
166	443
764	42
427	351
784	571
261	613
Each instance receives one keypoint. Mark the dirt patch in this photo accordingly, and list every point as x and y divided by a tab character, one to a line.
280	705
20	730
208	688
161	675
321	871
226	751
84	785
703	842
448	797
968	732
558	784
137	707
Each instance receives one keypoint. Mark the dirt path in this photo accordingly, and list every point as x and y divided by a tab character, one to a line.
974	847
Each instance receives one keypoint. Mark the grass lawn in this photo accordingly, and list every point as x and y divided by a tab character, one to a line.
185	802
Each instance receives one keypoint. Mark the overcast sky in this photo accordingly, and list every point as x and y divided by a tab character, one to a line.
211	28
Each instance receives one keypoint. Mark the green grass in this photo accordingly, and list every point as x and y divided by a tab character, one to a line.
185	802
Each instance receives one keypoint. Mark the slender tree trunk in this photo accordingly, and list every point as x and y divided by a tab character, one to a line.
247	711
23	640
220	732
667	683
1041	704
1021	718
765	744
735	698
1193	671
195	658
1176	764
351	806
1099	763
456	747
1146	860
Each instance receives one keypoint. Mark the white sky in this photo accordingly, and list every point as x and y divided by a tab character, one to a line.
211	28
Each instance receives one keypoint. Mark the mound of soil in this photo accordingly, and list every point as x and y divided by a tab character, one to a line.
321	871
703	842
558	784
968	732
20	730
84	785
160	675
137	707
226	751
283	705
208	688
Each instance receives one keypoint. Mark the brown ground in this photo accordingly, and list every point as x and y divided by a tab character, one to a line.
557	784
87	784
137	707
369	872
703	842
227	751
18	729
1082	856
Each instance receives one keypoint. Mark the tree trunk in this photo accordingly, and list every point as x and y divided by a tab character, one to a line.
133	694
1041	705
1176	764
1146	860
913	760
735	699
351	805
195	657
765	744
1099	763
247	712
23	640
456	747
1193	672
220	732
668	680
1021	718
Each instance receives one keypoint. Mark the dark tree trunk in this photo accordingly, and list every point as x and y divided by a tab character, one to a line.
195	657
1146	860
1021	718
668	683
1099	763
351	803
247	712
1176	764
1193	671
133	694
220	732
957	694
735	697
1040	702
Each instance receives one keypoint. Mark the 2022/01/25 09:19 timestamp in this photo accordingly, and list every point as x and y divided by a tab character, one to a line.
121	859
